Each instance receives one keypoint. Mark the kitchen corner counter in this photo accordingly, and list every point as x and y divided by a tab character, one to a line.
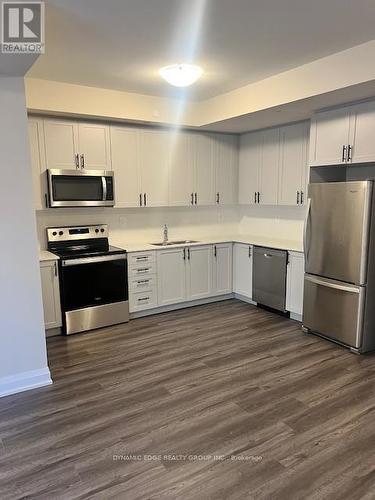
291	245
45	256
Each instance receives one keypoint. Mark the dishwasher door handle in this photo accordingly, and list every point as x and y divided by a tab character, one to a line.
268	255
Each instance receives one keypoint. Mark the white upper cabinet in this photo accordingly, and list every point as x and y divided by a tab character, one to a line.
243	270
268	182
293	164
226	169
61	144
222	269
204	171
329	137
181	169
75	145
250	158
37	162
125	163
171	276
362	133
199	269
155	146
94	146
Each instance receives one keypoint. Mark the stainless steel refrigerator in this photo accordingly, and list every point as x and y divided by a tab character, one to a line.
339	241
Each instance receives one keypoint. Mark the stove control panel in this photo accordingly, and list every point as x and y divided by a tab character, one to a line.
77	232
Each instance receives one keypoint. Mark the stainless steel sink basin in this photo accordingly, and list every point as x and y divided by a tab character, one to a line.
175	242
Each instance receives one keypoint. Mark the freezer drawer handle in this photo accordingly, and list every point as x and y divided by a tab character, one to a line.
328	284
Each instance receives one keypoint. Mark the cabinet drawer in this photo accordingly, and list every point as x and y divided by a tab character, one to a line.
142	269
139	301
142	284
141	257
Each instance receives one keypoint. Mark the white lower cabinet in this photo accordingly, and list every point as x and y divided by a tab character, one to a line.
199	272
50	294
243	270
171	276
222	274
294	284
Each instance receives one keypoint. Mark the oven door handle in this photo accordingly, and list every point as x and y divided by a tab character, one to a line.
104	187
92	260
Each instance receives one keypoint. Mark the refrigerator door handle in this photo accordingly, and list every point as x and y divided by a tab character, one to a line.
305	249
329	284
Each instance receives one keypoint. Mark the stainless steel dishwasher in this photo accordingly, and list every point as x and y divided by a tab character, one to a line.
269	277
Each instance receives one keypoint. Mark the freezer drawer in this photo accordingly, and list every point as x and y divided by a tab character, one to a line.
334	309
269	277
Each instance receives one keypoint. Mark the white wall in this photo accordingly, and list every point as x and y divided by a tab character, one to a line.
284	223
23	361
146	224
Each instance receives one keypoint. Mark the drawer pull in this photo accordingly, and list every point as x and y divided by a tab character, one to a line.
142	258
143	298
143	269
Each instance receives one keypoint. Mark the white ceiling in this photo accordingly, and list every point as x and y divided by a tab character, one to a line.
121	44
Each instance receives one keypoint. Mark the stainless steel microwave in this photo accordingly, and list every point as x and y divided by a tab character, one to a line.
83	188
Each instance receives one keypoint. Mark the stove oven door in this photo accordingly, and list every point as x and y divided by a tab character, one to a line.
94	292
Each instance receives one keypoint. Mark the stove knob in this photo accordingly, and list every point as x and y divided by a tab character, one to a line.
102	230
96	230
61	233
54	233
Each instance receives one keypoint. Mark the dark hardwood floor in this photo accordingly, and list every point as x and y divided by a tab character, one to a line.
222	401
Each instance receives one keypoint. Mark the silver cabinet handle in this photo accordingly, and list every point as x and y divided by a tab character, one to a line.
258	196
268	255
142	258
343	158
188	250
215	251
143	269
140	199
301	197
255	196
192	198
217	198
336	286
349	157
77	160
143	298
145	199
82	161
249	252
297	197
141	282
184	255
55	266
196	198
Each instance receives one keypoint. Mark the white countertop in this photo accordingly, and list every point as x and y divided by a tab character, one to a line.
291	245
44	256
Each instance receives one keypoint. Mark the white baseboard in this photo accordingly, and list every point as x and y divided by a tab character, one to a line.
24	381
244	299
295	316
180	305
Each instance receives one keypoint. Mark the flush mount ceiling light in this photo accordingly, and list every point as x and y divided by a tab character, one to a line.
181	75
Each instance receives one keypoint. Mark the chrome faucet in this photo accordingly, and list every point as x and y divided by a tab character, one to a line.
165	234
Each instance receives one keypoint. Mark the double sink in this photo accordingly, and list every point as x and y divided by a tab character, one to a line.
175	242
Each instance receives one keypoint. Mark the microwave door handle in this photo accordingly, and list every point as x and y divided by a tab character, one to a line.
104	186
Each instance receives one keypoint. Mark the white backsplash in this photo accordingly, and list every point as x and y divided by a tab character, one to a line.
146	224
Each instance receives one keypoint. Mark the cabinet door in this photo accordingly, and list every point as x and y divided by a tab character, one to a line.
181	167
204	179
293	163
199	272
294	285
269	171
329	133
154	160
222	269
125	163
249	167
171	276
37	163
61	144
51	294
363	131
226	168
94	145
243	269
